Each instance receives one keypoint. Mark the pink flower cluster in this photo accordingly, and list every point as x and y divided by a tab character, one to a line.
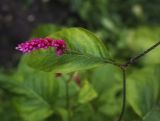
42	43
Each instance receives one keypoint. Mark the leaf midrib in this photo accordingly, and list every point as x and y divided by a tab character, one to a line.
32	91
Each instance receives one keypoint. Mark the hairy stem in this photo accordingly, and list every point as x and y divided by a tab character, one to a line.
124	95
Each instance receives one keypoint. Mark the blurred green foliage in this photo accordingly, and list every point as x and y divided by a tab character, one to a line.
127	28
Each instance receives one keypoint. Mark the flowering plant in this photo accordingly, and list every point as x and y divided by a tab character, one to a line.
42	43
57	77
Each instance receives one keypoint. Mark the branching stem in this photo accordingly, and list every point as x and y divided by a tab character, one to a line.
124	67
134	59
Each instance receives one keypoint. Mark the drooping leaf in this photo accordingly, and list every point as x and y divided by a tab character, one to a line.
85	51
143	90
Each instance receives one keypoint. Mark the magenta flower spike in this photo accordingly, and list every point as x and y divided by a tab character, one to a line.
42	43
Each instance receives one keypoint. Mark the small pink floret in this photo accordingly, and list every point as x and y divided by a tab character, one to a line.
42	43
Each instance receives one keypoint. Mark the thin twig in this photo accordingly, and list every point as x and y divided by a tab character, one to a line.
124	95
134	59
124	67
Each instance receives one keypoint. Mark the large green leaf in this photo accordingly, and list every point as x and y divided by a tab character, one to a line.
37	92
85	51
143	90
106	77
107	81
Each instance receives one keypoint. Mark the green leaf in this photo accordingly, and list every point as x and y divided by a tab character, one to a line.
36	92
85	51
143	90
84	112
87	93
107	81
73	91
105	77
153	115
63	113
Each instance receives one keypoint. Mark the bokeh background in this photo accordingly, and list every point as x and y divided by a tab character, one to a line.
127	27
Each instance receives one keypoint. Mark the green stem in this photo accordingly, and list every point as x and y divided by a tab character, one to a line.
124	67
68	98
134	59
124	95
